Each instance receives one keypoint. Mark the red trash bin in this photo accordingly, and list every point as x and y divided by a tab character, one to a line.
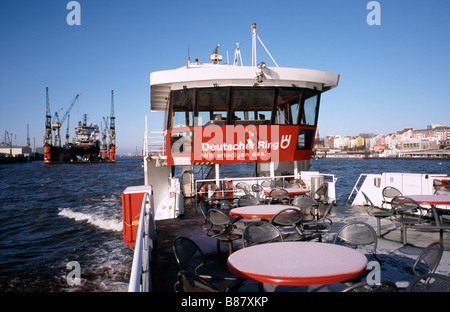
132	198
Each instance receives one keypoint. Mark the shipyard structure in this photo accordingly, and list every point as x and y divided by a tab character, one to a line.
90	144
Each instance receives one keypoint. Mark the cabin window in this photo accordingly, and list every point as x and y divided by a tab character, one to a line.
243	106
212	106
288	103
305	138
309	111
182	108
251	106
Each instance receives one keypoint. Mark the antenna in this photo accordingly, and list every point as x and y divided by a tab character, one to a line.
237	55
189	56
215	57
254	36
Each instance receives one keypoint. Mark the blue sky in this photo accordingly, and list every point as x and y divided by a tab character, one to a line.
393	76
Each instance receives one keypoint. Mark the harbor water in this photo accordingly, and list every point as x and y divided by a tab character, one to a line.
53	217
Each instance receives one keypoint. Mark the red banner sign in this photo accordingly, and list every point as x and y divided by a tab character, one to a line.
241	143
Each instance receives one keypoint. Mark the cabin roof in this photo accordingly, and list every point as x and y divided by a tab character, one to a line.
209	75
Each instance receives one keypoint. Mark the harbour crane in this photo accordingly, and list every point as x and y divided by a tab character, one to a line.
48	121
112	125
104	132
67	129
57	125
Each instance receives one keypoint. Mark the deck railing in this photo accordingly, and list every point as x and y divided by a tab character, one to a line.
140	279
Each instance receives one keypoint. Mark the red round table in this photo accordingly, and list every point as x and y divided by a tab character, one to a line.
297	263
259	211
433	201
292	191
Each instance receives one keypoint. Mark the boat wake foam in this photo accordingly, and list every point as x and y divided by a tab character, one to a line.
98	221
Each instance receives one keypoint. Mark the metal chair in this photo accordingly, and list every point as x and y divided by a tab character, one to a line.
257	189
407	212
190	282
267	183
430	256
243	186
288	221
357	234
306	203
320	226
188	254
222	228
377	214
430	282
321	193
260	232
204	208
389	192
278	196
383	286
247	200
281	183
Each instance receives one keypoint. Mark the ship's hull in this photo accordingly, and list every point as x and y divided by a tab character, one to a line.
77	153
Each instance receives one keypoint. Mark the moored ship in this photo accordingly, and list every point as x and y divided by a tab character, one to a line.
88	144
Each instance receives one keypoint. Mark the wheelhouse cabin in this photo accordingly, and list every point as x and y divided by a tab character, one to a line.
219	114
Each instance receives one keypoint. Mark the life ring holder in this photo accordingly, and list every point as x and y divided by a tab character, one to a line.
204	190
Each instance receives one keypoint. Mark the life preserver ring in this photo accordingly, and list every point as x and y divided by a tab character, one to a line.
228	187
204	190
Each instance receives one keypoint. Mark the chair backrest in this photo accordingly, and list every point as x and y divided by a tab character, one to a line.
247	200
442	191
390	192
281	183
383	286
430	282
303	201
257	188
357	234
430	256
243	186
190	282
204	208
188	254
287	217
217	217
402	204
260	232
369	203
328	210
367	199
278	193
322	190
267	183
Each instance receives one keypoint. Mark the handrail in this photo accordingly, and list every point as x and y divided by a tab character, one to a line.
140	270
355	187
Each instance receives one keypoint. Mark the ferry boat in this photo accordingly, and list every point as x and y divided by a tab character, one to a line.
218	114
